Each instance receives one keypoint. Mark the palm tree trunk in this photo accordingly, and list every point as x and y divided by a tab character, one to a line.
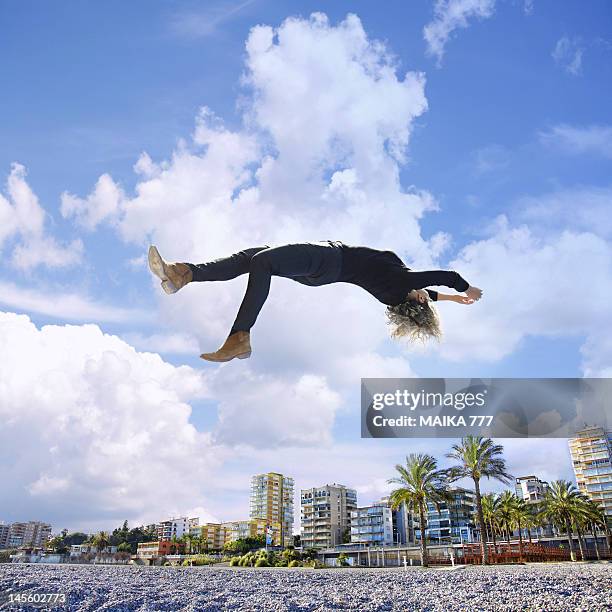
529	535
520	540
594	532
481	523
581	543
494	539
424	555
570	539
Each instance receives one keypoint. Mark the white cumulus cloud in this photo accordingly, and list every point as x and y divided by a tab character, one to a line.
102	204
163	343
91	426
22	227
268	411
545	283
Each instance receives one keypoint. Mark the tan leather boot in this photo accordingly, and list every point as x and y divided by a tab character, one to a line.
236	345
173	276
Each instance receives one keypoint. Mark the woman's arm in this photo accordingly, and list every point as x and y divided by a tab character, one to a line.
447	278
429	278
460	299
423	295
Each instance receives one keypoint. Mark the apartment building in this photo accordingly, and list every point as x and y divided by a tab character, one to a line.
33	534
325	518
372	525
272	500
212	536
403	525
533	490
4	535
530	488
251	528
591	451
453	521
174	528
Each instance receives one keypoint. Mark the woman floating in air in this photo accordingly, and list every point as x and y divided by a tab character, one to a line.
381	273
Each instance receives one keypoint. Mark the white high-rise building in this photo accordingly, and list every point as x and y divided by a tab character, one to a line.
174	528
372	525
326	515
530	488
403	525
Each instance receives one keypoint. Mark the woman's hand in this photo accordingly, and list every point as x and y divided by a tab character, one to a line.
474	293
462	299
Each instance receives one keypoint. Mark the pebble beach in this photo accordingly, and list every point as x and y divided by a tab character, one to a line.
122	588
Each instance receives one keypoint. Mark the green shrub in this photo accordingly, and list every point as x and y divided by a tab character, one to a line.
294	563
234	561
310	553
290	554
199	560
261	562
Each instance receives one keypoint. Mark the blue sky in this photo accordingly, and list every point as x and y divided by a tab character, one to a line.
514	145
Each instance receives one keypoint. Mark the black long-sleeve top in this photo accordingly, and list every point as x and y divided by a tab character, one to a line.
384	275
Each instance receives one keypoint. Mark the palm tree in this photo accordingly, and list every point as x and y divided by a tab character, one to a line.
521	515
579	523
490	513
174	546
420	481
507	507
562	504
203	542
478	458
543	519
532	520
596	517
188	541
100	541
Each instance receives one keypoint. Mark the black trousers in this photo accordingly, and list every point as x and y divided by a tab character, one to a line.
308	263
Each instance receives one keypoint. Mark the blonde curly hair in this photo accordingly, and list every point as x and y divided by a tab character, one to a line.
414	320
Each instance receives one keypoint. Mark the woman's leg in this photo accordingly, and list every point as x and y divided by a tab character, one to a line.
289	260
225	268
